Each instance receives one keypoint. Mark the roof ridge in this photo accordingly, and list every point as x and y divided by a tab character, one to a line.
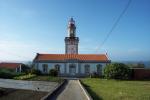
10	62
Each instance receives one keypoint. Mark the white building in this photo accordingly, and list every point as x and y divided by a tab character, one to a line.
71	63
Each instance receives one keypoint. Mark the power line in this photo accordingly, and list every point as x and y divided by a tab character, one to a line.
114	25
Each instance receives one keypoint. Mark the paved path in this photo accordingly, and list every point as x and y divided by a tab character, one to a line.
29	85
71	91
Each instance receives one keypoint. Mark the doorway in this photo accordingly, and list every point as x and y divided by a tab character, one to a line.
72	69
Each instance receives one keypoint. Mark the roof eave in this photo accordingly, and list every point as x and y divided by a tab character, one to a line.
65	61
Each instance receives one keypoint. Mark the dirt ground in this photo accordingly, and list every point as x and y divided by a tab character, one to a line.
18	94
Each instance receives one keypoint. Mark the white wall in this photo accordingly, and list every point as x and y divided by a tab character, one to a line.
93	67
52	65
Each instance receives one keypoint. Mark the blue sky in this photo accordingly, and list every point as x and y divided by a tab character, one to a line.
31	26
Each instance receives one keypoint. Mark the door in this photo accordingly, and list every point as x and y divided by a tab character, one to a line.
72	70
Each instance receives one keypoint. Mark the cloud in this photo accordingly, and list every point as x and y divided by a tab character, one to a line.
15	50
19	50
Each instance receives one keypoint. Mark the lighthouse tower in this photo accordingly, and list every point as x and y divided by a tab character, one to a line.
71	41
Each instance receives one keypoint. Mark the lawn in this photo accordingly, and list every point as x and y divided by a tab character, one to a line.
46	78
102	89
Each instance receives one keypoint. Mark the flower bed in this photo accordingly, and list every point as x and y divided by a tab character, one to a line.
24	77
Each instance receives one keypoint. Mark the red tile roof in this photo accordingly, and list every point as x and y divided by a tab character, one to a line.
83	57
9	65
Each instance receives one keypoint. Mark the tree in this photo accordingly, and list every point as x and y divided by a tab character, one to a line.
117	71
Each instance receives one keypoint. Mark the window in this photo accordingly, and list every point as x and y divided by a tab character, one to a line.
45	68
99	69
87	69
57	67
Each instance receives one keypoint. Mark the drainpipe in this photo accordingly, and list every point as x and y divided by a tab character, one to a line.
20	69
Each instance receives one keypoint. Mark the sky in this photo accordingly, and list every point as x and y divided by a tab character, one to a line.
28	27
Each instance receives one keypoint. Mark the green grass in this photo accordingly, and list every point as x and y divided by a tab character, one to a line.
102	89
46	78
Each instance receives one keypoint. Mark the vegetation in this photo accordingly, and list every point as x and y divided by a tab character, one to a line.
35	71
8	73
53	72
116	89
117	71
94	75
24	77
25	68
46	78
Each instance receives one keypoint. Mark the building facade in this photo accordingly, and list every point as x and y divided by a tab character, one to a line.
71	63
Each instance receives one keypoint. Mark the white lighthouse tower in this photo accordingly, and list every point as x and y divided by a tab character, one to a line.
71	42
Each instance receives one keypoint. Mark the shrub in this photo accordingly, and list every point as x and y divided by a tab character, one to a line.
35	71
94	75
7	73
53	72
117	71
25	68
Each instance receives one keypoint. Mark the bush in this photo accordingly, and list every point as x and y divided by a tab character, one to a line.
7	73
94	75
35	71
53	72
24	77
117	71
25	68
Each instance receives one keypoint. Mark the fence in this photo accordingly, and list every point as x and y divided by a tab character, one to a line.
141	73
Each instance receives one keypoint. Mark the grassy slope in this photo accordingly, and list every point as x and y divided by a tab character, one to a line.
117	90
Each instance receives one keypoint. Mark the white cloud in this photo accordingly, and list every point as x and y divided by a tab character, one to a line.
19	51
12	50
